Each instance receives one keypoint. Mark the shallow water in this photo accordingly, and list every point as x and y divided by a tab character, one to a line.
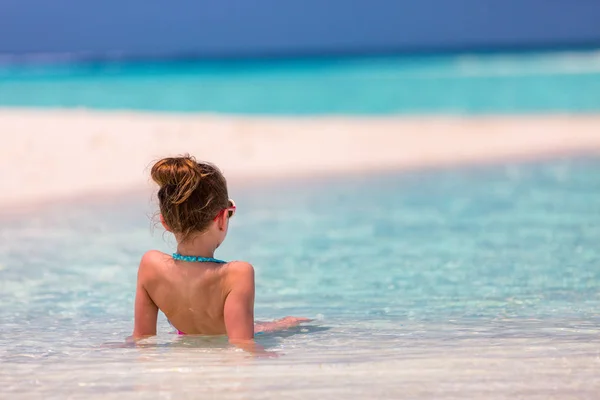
462	283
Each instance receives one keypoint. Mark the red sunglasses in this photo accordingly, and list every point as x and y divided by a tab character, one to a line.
230	210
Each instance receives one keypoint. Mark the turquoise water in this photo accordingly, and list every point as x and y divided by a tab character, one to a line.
449	284
460	84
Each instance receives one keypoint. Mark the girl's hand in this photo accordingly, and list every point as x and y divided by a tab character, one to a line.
293	321
280	324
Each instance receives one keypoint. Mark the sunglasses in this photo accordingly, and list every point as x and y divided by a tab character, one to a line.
230	210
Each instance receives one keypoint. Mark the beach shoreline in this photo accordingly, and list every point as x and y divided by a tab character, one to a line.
50	155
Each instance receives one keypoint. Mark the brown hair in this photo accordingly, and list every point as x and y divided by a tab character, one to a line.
191	193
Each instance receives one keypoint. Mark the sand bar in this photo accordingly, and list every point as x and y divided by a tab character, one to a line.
53	154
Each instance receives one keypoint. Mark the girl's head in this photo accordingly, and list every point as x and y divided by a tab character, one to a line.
192	197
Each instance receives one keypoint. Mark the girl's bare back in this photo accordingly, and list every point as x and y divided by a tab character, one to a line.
191	295
197	298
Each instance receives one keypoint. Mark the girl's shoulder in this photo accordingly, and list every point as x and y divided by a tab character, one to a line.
154	256
241	267
152	261
239	271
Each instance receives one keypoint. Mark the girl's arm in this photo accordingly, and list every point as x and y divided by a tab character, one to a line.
146	312
239	307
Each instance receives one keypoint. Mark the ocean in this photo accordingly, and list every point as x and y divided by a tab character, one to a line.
449	283
453	84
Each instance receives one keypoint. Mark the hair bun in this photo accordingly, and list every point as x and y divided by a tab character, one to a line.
180	175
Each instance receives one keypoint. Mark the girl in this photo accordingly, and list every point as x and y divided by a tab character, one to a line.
198	293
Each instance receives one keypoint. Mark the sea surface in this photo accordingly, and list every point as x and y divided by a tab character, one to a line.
448	284
565	82
441	283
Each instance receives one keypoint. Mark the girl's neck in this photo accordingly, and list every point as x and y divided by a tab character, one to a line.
197	247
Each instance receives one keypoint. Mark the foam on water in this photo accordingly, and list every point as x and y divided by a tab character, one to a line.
448	284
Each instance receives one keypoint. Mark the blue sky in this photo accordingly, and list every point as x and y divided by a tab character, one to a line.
243	27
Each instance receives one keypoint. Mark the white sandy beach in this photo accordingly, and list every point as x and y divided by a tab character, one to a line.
54	154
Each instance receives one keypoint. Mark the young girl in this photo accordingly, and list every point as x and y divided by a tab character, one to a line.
198	293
